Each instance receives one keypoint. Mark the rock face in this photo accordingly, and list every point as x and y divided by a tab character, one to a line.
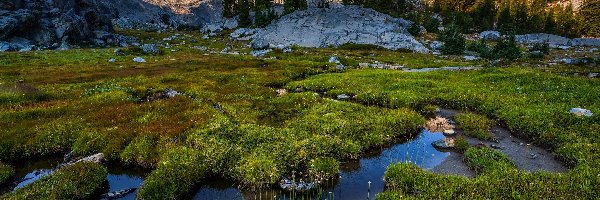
33	24
155	15
557	41
316	27
489	35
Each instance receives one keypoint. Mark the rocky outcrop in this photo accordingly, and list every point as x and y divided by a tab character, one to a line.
557	41
32	24
316	27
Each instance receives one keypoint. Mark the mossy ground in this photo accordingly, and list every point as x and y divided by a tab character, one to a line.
77	100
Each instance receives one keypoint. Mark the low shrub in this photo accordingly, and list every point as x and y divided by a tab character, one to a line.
78	181
474	125
6	173
454	41
507	48
414	29
461	144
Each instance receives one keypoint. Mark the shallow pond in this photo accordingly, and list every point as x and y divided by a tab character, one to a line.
355	177
360	179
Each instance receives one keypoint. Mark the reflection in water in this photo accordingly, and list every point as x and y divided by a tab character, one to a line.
355	177
353	183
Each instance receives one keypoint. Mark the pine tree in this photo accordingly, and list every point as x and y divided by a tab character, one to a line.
229	8
505	22
520	16
244	9
482	14
590	14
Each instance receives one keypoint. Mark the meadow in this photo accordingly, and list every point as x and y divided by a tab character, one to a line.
230	122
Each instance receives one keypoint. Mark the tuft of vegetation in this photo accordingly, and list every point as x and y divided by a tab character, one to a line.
177	173
454	41
461	144
474	125
485	160
78	181
6	173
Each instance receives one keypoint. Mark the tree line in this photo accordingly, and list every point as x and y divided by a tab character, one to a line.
507	16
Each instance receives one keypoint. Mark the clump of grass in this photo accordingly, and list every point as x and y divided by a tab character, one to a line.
177	173
78	181
486	160
142	151
324	168
6	173
461	144
475	125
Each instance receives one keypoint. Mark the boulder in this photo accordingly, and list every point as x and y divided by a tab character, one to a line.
315	27
151	49
581	112
436	45
343	97
139	60
260	53
490	35
96	158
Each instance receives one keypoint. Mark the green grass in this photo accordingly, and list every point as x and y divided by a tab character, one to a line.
78	181
85	104
497	178
474	125
531	103
6	173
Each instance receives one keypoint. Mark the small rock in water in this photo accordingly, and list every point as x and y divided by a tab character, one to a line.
449	132
533	156
343	96
301	186
438	124
581	112
139	59
118	194
445	143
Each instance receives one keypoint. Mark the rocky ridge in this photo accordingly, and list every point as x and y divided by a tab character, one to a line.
317	27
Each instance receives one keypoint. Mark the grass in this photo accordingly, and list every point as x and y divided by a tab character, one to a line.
78	181
497	178
85	104
6	173
474	125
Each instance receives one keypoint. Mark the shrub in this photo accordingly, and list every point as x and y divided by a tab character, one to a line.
482	48
414	29
431	25
507	48
475	125
461	144
538	50
454	41
6	173
78	181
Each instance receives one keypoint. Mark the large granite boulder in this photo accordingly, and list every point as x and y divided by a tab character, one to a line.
315	27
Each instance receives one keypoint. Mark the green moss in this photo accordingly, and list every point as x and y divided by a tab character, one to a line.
6	173
474	125
78	181
461	144
177	173
486	160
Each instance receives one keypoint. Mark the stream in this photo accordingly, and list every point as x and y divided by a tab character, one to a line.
359	179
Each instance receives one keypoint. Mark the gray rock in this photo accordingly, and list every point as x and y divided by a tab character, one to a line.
64	46
96	158
436	45
226	50
593	50
242	32
343	97
471	58
334	59
490	35
119	52
260	53
315	27
581	112
593	75
201	48
443	143
151	49
139	60
112	60
5	46
340	67
592	42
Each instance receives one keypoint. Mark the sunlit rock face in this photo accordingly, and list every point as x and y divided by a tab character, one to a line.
165	14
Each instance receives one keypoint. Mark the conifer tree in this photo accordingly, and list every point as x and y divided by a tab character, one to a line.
590	15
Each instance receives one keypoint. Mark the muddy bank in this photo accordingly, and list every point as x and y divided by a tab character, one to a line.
526	156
